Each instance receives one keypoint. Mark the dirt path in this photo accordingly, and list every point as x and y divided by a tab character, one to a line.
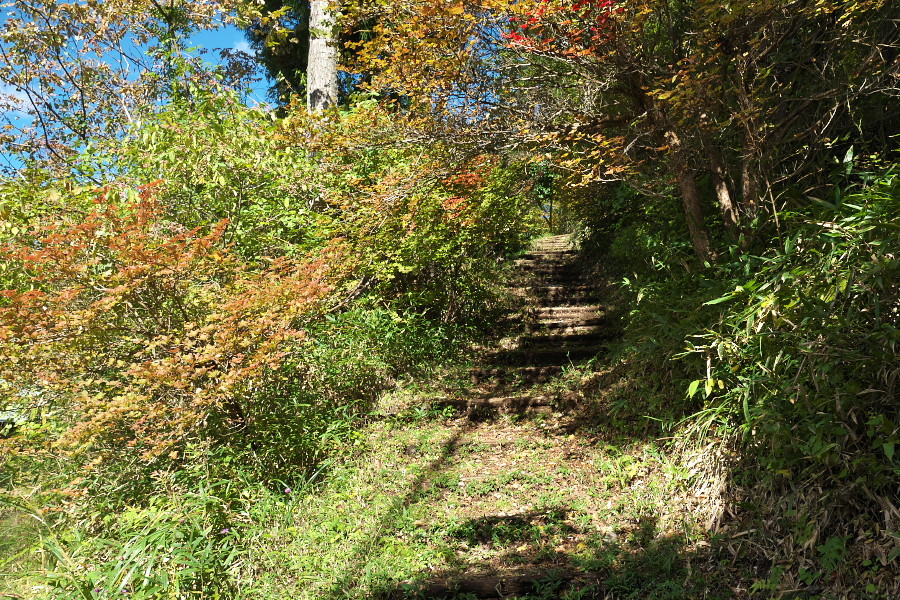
507	486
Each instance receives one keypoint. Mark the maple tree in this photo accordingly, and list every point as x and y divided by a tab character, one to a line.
147	330
157	315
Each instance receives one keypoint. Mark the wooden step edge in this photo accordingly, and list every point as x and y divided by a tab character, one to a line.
522	404
555	310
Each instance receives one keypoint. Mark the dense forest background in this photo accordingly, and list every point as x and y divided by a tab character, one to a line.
202	299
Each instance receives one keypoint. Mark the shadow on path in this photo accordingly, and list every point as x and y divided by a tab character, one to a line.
646	565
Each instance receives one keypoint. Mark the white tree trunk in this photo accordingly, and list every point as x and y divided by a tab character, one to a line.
321	70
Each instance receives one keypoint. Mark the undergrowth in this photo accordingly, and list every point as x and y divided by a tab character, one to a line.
786	358
185	526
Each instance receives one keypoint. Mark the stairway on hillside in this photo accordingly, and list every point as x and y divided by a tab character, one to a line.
560	322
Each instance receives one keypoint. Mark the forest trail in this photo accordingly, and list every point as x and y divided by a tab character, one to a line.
505	483
558	321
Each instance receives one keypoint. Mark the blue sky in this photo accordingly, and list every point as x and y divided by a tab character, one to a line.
224	38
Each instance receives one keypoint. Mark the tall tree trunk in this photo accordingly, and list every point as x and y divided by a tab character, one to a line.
690	197
693	213
749	186
321	70
730	217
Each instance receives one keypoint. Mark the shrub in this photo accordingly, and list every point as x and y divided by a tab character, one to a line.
148	333
793	351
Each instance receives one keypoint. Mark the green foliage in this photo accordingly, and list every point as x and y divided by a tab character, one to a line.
793	351
227	309
221	160
348	360
186	540
179	549
807	336
279	34
415	228
441	249
631	235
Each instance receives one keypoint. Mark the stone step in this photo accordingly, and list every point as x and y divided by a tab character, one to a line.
490	587
564	326
548	288
574	316
553	291
561	340
514	374
549	258
568	301
586	311
557	291
501	403
532	286
547	356
519	404
538	268
544	249
546	258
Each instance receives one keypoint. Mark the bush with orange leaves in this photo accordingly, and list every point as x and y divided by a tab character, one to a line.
143	334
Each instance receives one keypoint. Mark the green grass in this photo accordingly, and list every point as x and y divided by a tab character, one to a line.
410	500
437	498
19	533
414	495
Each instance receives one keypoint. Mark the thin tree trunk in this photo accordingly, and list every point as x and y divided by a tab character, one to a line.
693	213
321	70
681	168
690	197
749	188
730	217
